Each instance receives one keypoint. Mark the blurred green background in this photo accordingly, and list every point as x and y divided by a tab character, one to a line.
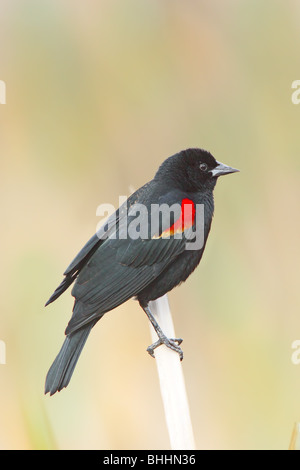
98	94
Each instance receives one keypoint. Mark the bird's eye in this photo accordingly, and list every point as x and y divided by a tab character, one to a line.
203	167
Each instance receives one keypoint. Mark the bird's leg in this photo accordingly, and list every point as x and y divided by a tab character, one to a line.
172	343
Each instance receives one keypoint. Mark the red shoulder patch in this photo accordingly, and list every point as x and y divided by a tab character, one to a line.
185	220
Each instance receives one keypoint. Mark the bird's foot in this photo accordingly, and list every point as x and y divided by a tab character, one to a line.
172	343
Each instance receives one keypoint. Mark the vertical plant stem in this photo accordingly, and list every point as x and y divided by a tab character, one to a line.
171	380
295	439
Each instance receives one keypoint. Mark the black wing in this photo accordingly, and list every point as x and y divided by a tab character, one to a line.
121	268
111	270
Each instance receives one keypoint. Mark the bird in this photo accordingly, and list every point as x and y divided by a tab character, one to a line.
140	257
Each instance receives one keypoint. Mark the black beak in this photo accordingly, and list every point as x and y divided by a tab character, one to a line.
222	169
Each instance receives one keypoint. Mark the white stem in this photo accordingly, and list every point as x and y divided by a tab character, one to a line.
295	440
172	381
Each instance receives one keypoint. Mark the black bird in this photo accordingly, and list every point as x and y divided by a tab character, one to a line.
115	266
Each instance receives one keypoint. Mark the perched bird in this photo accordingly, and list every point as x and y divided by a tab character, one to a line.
141	257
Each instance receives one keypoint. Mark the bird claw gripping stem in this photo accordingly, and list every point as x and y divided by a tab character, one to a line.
162	339
169	342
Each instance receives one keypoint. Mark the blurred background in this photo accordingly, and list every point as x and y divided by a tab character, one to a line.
98	94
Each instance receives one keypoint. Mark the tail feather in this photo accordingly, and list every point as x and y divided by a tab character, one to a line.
61	371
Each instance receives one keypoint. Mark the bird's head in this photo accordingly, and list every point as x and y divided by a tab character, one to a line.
192	170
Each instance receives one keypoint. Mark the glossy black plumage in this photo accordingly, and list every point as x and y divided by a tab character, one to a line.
109	270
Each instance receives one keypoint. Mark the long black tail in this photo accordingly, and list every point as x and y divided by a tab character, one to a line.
61	371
